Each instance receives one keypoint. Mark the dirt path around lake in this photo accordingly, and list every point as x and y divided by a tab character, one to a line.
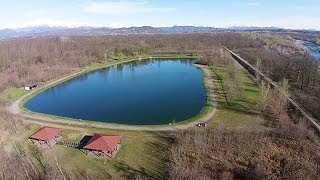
80	125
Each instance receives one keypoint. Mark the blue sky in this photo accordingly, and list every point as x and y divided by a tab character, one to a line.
294	14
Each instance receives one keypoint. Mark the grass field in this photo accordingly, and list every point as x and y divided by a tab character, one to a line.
11	94
243	110
141	153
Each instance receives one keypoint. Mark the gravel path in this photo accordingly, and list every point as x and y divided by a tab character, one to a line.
73	124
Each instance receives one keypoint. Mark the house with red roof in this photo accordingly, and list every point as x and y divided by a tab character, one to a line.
103	145
46	136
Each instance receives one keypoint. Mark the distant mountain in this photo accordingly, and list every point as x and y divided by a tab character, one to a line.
67	31
188	29
7	33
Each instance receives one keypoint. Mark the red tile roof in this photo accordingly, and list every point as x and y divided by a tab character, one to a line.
103	142
46	133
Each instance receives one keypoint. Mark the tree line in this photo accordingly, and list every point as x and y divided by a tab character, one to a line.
277	55
44	58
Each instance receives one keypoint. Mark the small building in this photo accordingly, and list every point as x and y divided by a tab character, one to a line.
202	124
30	86
46	136
103	145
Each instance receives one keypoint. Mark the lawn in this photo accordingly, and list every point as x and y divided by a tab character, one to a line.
243	109
141	153
11	94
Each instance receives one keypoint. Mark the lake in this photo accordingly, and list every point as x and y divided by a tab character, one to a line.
145	92
313	48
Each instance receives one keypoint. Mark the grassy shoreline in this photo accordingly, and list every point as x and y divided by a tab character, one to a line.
243	110
108	63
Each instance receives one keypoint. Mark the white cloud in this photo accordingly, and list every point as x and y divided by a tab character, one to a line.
50	22
47	21
124	8
116	25
298	22
290	22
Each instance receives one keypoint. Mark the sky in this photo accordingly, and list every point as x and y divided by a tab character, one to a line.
292	14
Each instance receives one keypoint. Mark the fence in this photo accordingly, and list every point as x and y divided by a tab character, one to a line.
69	144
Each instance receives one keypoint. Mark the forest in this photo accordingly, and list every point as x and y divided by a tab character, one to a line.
41	59
44	58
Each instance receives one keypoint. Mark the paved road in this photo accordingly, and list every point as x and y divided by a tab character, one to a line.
74	124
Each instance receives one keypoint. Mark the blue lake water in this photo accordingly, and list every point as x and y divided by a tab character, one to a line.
313	48
147	92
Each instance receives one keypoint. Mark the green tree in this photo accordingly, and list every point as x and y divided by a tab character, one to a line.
318	41
284	87
264	92
135	54
119	54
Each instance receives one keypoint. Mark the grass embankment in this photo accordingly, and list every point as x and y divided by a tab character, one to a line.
111	62
243	109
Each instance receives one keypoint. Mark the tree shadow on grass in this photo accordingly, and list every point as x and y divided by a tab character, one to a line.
245	104
155	157
132	173
236	107
250	84
87	174
251	90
